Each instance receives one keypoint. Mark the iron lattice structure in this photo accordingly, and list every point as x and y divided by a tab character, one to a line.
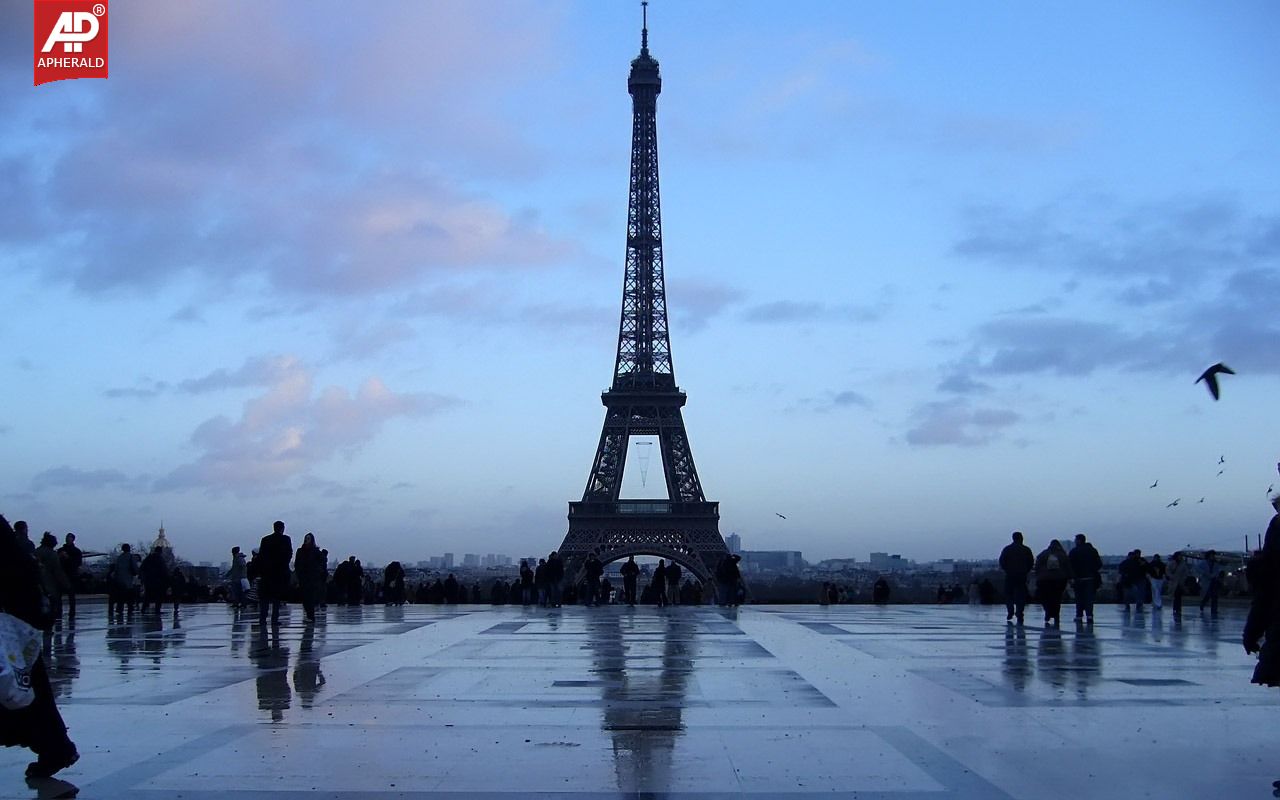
644	398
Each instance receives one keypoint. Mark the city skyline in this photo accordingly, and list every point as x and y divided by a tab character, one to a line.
934	274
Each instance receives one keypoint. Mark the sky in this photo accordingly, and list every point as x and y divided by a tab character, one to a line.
936	272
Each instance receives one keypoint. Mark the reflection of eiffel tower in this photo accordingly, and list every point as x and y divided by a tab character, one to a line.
644	399
645	681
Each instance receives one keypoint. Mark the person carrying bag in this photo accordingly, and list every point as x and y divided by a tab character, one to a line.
37	725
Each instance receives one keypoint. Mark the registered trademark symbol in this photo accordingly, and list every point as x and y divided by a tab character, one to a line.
98	9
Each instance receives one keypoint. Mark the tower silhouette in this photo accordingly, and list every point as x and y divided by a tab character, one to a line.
644	400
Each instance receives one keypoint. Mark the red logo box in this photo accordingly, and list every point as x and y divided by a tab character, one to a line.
70	40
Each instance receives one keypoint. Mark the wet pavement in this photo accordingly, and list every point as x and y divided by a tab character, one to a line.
784	701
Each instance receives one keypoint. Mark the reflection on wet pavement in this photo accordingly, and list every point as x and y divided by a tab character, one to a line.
437	701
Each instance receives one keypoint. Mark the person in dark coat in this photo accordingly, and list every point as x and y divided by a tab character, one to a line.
1053	570
1017	561
674	574
555	575
72	560
393	582
179	586
274	554
528	595
39	726
630	574
309	566
1262	628
451	590
659	583
1086	576
155	579
593	569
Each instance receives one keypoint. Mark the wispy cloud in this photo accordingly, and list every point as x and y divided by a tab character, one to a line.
956	422
71	478
289	428
788	311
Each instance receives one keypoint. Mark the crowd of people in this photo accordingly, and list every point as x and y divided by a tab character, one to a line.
1049	575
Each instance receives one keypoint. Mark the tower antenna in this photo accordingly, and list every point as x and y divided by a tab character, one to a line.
644	27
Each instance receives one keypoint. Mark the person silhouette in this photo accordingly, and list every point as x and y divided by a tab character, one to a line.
274	554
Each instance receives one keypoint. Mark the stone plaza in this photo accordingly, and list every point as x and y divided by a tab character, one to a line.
769	701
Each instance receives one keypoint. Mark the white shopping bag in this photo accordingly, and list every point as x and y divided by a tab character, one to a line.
19	651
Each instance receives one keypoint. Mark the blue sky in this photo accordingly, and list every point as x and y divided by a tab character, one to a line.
936	271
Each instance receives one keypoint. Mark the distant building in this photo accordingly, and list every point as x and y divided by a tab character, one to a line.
471	560
883	562
734	542
447	561
776	560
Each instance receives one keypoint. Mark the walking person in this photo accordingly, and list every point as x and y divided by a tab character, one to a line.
309	568
1179	574
1133	580
120	578
393	584
237	579
527	592
593	570
52	578
1212	572
674	574
155	579
1053	570
1017	561
1155	577
540	583
658	584
630	574
72	560
1086	576
274	554
38	727
179	586
1261	633
555	574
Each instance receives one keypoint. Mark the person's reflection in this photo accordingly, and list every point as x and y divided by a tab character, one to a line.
1086	660
307	677
120	642
1049	658
239	634
643	701
1017	664
64	664
272	661
153	640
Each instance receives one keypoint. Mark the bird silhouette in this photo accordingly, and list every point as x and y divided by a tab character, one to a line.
780	515
1270	488
1210	377
1222	460
1174	503
1201	499
1221	471
1154	485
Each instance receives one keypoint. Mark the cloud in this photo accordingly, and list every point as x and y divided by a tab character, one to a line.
787	311
256	371
145	390
958	383
1170	246
289	428
955	422
357	342
1018	346
850	398
221	171
697	302
833	401
71	478
494	304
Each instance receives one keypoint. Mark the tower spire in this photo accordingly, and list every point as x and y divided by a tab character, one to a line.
644	29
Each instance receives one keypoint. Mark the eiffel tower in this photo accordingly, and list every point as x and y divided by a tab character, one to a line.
644	400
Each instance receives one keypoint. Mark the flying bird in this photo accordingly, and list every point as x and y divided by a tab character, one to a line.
1210	377
1221	471
1270	488
1201	499
1154	485
1174	503
1222	459
780	515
